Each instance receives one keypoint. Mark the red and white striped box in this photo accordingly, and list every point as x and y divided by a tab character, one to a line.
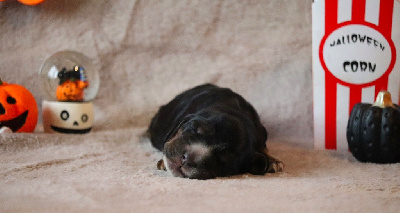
355	45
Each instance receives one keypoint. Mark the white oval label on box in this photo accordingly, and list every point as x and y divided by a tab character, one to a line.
356	54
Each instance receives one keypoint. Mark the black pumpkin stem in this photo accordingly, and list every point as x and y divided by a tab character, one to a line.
383	99
1	82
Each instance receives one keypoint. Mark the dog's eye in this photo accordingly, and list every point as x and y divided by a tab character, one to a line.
200	131
198	127
189	129
205	130
196	130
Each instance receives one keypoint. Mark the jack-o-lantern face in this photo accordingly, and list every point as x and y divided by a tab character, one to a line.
18	108
68	117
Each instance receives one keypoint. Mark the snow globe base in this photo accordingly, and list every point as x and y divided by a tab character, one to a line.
67	117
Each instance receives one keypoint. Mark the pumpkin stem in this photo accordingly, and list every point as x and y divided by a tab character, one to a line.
1	82
384	99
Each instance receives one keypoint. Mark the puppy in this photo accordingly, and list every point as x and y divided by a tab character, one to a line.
209	132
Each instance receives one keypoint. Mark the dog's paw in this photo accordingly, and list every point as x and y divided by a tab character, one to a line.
274	165
161	165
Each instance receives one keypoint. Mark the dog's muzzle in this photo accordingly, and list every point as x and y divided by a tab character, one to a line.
184	155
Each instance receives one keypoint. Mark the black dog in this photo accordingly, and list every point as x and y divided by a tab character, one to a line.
209	132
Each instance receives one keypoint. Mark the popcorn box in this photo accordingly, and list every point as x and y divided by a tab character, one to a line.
354	51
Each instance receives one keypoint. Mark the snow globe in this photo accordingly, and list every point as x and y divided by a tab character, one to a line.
69	85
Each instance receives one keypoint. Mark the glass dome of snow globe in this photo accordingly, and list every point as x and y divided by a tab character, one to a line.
69	76
69	84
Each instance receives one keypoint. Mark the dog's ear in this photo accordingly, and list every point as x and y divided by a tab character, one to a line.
259	164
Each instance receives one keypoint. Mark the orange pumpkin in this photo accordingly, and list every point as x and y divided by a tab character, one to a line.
18	108
29	2
71	90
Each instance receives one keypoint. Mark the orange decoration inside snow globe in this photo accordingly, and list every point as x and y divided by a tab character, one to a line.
72	84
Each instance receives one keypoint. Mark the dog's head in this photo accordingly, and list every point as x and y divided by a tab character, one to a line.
209	146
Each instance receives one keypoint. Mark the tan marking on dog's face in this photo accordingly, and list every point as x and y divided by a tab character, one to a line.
199	151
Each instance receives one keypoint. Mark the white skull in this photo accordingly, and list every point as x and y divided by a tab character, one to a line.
67	117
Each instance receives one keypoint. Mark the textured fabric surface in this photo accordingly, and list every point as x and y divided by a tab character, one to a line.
146	53
115	171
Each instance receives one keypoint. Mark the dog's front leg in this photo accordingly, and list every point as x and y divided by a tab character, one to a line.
273	164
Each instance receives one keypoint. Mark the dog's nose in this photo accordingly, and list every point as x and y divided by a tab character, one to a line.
188	159
181	161
184	159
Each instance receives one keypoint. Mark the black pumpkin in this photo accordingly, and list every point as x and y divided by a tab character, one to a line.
373	131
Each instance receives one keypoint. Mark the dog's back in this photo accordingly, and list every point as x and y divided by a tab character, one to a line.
202	97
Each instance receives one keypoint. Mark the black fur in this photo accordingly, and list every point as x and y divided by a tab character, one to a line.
219	119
